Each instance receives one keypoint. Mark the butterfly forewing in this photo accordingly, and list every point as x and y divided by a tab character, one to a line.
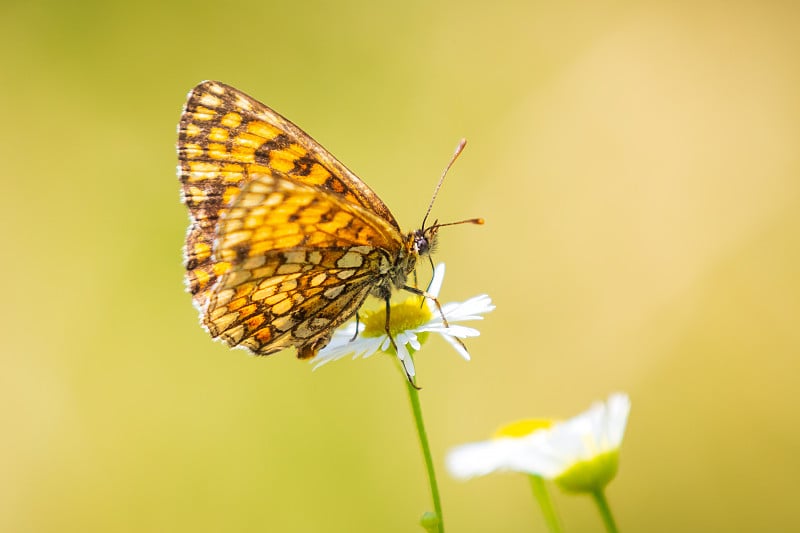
284	242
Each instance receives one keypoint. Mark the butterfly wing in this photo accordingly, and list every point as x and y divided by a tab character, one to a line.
224	138
284	242
295	263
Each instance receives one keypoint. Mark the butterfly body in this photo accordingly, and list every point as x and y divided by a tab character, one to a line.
284	243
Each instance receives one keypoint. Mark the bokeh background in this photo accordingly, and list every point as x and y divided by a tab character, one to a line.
637	164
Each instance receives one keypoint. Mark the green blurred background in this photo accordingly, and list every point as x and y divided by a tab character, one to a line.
637	164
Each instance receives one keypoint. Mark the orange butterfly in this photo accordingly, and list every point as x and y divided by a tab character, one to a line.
284	242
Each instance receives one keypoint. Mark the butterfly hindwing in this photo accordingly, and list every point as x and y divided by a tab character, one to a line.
298	262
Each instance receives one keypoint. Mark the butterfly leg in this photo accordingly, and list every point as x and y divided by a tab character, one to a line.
425	294
416	284
358	321
433	269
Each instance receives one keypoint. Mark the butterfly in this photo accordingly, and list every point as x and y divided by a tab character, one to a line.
284	242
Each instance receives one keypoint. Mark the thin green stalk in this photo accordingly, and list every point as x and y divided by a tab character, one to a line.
413	395
542	496
605	511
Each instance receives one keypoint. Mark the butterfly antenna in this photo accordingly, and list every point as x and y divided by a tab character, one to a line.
460	148
478	221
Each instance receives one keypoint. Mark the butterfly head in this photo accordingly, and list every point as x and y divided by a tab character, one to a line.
425	240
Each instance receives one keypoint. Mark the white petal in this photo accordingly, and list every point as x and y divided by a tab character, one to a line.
619	406
342	344
408	364
543	455
369	346
436	282
414	341
401	338
386	343
455	330
457	346
360	346
481	458
402	352
471	309
405	359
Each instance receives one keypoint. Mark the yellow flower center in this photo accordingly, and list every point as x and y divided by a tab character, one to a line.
520	428
403	316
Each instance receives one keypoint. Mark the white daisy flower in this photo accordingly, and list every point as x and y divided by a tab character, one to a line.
580	454
410	323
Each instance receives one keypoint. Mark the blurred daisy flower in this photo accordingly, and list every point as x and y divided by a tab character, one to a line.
504	452
580	454
410	323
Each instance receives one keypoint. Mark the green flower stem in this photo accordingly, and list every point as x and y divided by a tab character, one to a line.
542	496
605	511
438	523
